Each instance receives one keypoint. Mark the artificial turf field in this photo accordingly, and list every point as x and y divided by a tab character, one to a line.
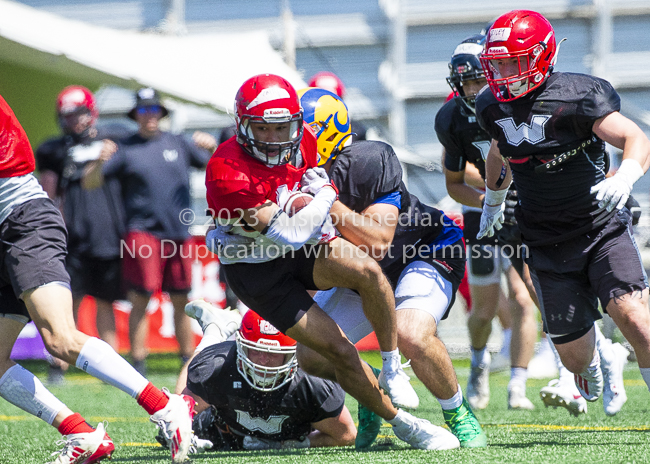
539	436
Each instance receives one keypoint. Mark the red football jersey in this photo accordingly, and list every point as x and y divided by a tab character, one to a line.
16	155
236	181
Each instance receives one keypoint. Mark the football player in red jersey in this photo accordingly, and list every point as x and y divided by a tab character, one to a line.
549	132
35	285
248	179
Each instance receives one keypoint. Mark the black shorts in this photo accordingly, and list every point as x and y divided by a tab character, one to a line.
277	289
32	252
97	277
481	251
572	276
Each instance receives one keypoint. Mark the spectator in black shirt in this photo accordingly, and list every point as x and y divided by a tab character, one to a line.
152	167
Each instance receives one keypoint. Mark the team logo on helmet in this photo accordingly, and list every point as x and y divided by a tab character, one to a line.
328	116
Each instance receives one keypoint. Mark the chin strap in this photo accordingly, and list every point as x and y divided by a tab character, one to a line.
557	51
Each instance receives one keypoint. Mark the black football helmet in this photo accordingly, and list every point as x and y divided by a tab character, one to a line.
465	65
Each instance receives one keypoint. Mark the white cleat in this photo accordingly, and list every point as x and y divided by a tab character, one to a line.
590	383
478	385
176	425
397	385
422	434
614	396
565	396
517	399
84	448
226	320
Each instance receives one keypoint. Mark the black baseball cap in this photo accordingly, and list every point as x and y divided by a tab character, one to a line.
147	97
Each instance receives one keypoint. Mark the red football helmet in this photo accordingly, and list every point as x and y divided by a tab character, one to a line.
257	334
268	99
72	101
328	81
527	36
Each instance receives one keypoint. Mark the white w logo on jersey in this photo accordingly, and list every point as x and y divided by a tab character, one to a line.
269	426
533	133
483	146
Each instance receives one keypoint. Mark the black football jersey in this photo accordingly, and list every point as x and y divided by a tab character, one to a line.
463	139
95	219
283	414
366	171
557	118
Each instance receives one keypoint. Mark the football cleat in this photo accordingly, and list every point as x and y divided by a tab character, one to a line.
397	385
614	396
226	320
465	426
590	382
369	424
84	448
175	423
517	399
422	434
565	395
478	385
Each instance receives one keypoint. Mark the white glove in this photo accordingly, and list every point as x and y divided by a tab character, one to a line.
220	240
614	191
254	443
313	180
491	219
198	445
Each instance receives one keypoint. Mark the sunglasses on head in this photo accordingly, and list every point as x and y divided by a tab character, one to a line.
149	109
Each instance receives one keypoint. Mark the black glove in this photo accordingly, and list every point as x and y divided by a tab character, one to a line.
509	213
635	209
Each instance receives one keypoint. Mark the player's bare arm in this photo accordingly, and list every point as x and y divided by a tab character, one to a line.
459	190
93	177
372	229
624	134
497	170
333	431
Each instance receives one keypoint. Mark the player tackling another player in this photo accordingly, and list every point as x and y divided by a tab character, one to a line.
248	181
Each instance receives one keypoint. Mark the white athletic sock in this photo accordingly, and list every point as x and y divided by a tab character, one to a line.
211	336
399	418
505	346
479	356
453	402
565	375
22	389
604	347
645	373
391	360
518	376
101	361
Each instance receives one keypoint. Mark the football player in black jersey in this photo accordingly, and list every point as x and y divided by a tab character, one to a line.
464	141
549	132
418	247
251	394
94	220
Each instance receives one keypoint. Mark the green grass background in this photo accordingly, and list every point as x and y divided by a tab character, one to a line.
539	436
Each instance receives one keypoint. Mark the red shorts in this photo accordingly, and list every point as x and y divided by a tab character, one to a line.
150	264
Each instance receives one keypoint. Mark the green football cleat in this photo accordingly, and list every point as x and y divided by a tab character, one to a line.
369	424
463	423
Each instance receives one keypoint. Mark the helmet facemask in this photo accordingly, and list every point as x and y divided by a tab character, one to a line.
465	67
526	78
272	153
327	115
265	378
